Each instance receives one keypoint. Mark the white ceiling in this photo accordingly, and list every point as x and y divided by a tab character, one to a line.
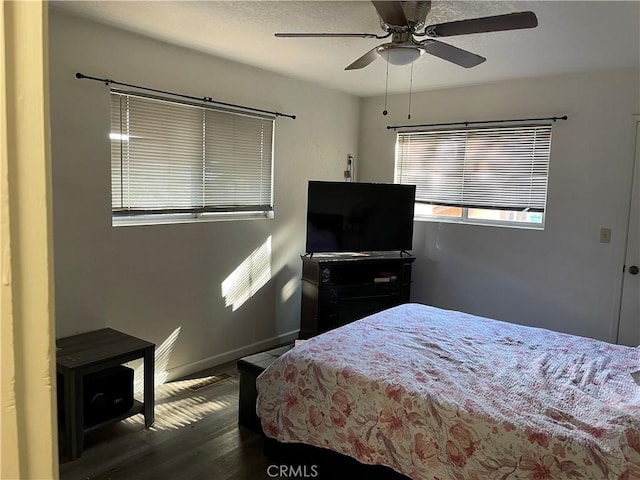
572	36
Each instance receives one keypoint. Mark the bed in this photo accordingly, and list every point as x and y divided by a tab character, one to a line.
439	394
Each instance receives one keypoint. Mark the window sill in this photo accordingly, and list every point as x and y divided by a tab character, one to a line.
171	219
479	222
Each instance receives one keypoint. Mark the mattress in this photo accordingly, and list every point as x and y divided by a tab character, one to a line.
439	394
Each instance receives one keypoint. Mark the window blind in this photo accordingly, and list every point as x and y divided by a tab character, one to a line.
496	168
174	157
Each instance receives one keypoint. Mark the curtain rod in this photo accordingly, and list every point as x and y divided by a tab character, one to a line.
108	81
394	127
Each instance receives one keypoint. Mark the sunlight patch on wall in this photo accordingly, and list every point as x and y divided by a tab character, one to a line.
289	289
250	276
162	355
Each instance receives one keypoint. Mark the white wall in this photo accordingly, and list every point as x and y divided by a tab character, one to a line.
149	281
561	278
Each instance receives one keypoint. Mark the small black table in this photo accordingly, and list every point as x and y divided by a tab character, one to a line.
93	352
249	368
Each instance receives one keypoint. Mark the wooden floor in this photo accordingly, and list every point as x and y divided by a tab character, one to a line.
195	436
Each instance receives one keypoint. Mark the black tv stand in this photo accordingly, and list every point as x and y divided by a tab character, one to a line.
338	288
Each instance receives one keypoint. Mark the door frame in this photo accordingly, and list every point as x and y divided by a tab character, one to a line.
635	165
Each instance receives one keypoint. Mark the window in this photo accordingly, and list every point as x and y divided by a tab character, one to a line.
174	162
495	176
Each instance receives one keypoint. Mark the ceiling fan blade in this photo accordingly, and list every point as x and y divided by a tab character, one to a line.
364	60
496	23
451	54
315	35
391	12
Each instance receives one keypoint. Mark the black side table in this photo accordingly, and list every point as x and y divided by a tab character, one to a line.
93	352
249	368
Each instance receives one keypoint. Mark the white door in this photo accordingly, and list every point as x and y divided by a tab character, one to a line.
629	331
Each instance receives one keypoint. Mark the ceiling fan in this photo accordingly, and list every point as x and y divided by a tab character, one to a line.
405	20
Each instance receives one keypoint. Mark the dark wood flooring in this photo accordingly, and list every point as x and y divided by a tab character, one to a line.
195	436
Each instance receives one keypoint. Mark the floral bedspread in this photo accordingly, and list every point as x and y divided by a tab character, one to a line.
438	394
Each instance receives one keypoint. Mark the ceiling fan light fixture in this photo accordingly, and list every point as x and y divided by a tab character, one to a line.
401	55
404	20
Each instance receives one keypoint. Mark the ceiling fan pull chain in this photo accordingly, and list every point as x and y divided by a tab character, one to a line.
410	90
386	86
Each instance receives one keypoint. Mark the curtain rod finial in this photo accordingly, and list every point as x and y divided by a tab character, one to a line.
79	75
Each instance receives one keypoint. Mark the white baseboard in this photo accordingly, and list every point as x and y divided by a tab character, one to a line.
189	368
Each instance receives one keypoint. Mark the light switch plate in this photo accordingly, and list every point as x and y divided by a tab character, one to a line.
605	235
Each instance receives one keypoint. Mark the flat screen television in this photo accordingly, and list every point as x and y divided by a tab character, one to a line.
359	217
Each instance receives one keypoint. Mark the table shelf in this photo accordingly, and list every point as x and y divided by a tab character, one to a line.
138	407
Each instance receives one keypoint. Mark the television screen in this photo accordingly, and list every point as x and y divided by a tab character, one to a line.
359	217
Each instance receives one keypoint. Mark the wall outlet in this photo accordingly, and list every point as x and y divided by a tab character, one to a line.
605	235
